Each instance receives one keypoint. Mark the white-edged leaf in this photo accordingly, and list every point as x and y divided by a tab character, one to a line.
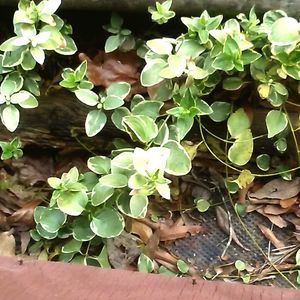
87	97
10	117
94	123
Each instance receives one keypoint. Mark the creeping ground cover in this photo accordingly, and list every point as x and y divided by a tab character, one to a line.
208	127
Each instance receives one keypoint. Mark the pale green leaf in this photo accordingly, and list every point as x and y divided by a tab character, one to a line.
94	123
276	122
107	223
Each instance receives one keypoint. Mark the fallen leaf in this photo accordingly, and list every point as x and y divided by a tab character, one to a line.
142	230
264	201
152	244
107	68
296	222
24	215
223	222
275	210
169	231
122	250
253	207
25	239
175	232
7	244
276	220
165	256
33	169
269	234
278	189
285	203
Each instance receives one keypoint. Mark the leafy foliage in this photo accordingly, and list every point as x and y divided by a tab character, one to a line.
181	74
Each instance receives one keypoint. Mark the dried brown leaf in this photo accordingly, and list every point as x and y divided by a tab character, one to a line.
165	256
175	232
142	230
253	207
33	169
223	222
7	244
107	68
122	250
278	189
275	210
24	215
25	239
285	203
270	235
276	220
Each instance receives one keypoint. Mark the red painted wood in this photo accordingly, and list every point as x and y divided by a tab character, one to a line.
50	280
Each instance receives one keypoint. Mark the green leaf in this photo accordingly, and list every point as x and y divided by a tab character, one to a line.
80	71
223	62
99	164
177	154
160	46
238	122
38	212
94	123
44	233
38	54
148	108
281	145
190	48
145	264
69	47
203	107
112	102
150	74
184	125
177	64
284	31
142	127
276	122
107	223
221	111
202	205
164	271
240	265
112	43
138	206
119	89
263	162
49	7
122	164
14	58
298	258
87	97
82	230
103	258
182	266
241	150
250	56
114	180
24	99
52	219
72	203
71	246
10	116
101	193
232	83
118	115
9	45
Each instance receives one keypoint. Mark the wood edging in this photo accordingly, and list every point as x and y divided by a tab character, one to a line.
29	279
